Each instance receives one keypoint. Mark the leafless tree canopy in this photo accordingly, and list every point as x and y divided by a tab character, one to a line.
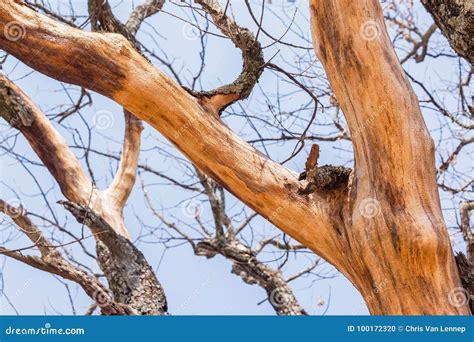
316	149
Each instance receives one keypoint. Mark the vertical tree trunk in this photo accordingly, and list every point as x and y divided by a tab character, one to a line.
398	251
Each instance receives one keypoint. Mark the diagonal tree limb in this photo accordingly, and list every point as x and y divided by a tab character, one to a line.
21	113
51	148
106	63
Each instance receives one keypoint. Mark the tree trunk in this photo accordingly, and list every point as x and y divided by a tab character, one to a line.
398	249
383	228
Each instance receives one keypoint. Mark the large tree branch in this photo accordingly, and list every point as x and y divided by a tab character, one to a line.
51	148
131	278
106	63
455	18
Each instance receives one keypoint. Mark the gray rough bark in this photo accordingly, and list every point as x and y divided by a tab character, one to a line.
455	18
254	272
467	276
131	279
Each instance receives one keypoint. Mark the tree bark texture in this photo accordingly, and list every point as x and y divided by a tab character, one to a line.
455	18
382	227
130	277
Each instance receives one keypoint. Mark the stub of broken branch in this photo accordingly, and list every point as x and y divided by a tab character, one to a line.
327	177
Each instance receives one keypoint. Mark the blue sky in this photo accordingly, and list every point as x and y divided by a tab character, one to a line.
193	285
